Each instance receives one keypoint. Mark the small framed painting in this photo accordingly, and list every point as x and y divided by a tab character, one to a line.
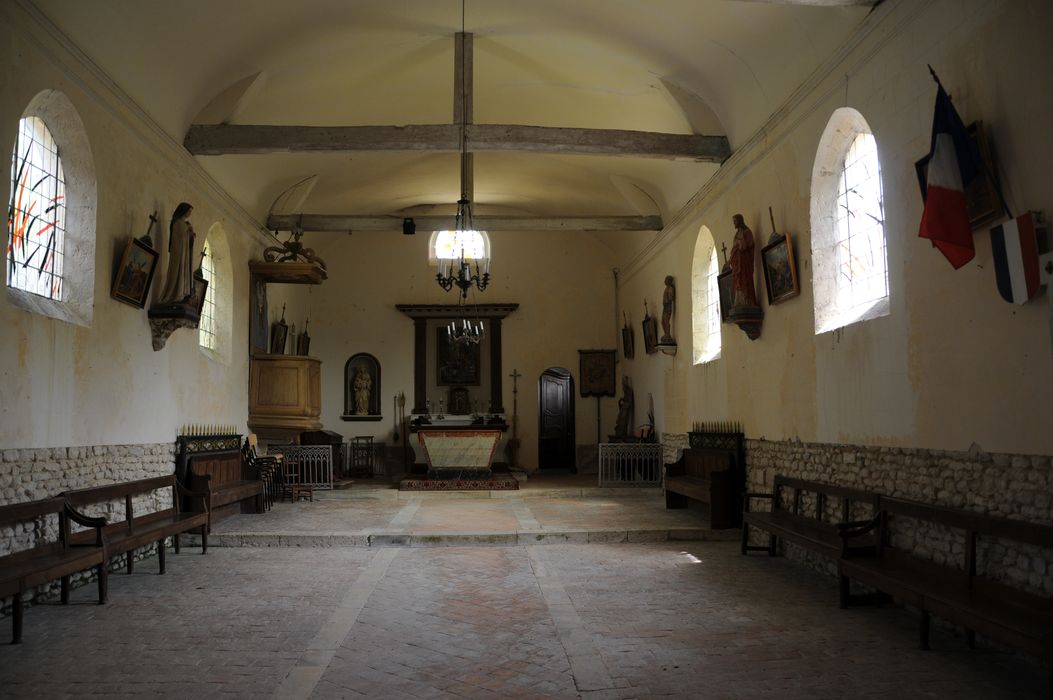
197	295
596	372
650	335
724	288
628	342
135	273
780	270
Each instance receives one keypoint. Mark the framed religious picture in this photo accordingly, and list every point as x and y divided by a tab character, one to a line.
650	334
258	315
981	195
628	342
197	294
135	273
780	269
455	363
596	372
725	291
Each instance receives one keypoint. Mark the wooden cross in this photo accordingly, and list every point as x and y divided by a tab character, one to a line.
146	236
724	248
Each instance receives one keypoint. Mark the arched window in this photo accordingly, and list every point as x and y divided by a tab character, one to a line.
214	328
849	256
49	256
705	300
453	245
206	328
36	213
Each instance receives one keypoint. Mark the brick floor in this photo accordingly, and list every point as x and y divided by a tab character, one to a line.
676	619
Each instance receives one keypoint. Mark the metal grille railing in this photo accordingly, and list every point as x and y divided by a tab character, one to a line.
314	463
630	464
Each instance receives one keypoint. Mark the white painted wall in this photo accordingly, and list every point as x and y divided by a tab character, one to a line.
67	385
952	364
562	282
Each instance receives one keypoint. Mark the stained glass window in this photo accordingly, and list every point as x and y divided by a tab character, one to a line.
450	245
36	214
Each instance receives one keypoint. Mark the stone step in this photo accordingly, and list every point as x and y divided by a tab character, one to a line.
393	494
382	538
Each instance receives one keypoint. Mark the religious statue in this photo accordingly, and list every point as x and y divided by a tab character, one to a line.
363	385
668	301
743	291
623	427
179	279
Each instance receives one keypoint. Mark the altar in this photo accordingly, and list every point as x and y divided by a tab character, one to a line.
464	453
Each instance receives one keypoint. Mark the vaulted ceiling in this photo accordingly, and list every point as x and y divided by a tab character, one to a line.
710	67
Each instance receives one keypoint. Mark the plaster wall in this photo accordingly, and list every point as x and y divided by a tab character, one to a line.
67	385
562	282
952	364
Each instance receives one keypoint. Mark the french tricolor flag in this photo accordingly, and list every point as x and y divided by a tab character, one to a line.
953	164
1015	252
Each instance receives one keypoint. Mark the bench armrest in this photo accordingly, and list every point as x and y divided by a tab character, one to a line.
97	523
746	496
857	528
205	496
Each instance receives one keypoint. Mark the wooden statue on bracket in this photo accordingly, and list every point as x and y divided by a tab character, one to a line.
745	312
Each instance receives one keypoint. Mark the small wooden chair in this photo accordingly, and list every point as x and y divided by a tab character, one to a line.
292	482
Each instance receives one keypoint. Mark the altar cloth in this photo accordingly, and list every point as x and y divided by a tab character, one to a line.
458	454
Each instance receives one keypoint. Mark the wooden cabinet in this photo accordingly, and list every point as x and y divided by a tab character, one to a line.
285	395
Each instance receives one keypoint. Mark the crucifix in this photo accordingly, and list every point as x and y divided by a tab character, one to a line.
145	238
724	248
513	444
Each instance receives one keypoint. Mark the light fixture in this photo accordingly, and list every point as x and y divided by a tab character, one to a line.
467	244
465	332
459	271
409	227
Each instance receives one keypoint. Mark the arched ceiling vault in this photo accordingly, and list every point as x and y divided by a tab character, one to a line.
583	111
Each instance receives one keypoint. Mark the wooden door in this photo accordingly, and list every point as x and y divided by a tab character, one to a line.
555	447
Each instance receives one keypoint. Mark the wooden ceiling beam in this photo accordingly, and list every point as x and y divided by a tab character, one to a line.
344	222
821	3
245	139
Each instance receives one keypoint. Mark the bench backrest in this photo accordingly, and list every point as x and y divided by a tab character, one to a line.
822	494
123	490
222	468
23	512
979	523
704	463
972	528
17	513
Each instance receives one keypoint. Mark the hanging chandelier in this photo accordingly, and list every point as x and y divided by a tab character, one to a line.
466	332
469	247
465	247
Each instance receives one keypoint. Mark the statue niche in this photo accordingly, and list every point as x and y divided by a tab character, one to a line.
362	388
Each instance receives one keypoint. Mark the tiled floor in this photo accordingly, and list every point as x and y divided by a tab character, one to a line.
691	619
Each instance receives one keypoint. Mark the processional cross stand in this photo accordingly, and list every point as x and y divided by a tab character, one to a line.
513	444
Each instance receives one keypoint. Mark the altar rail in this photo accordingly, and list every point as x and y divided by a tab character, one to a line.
630	464
314	462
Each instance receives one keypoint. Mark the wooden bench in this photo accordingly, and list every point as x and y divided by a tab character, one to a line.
819	529
26	569
141	530
214	464
707	476
961	593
